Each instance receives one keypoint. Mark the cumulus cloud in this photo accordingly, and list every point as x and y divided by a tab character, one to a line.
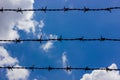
21	74
7	60
10	23
41	24
10	20
102	75
48	45
53	36
40	77
65	61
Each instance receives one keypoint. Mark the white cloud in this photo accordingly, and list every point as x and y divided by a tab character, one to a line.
9	20
41	24
21	74
27	25
102	75
53	36
40	77
49	44
9	23
39	32
7	60
65	61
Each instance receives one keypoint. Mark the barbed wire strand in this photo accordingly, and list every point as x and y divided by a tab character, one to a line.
62	39
67	68
45	9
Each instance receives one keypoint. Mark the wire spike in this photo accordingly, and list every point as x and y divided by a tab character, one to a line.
65	9
17	40
108	9
68	68
40	39
85	9
60	38
32	67
44	9
87	68
102	39
49	68
2	9
108	69
81	39
19	10
10	68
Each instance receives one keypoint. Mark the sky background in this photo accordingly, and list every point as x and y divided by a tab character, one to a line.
69	24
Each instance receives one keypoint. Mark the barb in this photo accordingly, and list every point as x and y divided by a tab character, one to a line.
45	9
67	68
60	39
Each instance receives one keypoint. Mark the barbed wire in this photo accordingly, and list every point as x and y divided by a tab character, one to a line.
67	68
62	39
45	9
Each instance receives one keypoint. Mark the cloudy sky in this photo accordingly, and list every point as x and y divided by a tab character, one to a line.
70	24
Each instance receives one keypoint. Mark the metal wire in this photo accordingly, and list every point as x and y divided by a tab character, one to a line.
45	9
67	68
63	39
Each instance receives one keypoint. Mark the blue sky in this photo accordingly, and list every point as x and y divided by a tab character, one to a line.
70	24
